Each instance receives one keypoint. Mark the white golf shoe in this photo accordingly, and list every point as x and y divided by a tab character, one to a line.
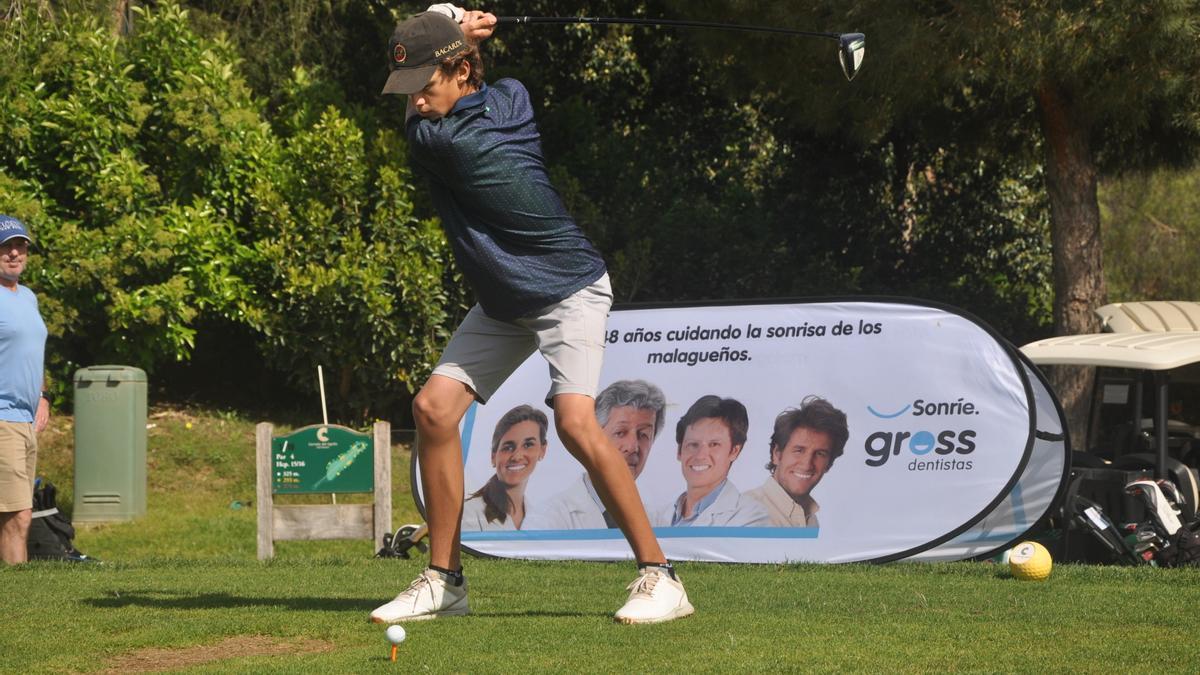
428	597
654	597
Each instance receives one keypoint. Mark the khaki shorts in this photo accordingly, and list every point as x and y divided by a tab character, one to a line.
18	463
570	335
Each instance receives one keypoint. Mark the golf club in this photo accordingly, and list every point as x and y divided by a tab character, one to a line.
851	46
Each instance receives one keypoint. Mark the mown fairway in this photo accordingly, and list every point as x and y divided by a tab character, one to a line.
181	589
305	615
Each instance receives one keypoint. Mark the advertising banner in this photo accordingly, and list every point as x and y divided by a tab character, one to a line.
1039	490
830	431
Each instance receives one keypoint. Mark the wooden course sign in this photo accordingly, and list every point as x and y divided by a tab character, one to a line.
323	459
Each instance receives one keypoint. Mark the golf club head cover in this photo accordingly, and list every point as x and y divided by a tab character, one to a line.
1157	505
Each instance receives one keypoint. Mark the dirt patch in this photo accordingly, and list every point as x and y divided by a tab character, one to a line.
158	659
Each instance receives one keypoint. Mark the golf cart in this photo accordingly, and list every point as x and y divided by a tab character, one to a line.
1144	423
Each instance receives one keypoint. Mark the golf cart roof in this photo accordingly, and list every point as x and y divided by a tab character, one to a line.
1150	317
1143	351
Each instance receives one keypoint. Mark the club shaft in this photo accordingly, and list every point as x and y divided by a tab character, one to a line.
565	20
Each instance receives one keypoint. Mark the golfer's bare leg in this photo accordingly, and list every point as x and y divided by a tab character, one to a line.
575	419
437	410
14	531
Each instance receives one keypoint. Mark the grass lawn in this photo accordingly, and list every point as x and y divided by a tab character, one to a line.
304	615
180	589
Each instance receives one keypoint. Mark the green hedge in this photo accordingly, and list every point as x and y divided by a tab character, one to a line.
164	196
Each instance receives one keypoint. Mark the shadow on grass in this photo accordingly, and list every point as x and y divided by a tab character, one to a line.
173	600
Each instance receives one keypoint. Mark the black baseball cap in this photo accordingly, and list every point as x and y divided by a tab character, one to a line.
418	45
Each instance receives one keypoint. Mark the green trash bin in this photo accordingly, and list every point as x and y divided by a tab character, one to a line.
110	443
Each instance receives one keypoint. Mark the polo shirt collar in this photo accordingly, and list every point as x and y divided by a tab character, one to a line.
470	100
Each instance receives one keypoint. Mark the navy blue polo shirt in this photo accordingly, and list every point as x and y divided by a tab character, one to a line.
512	236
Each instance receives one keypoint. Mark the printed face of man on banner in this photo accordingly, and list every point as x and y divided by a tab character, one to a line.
631	413
804	444
710	437
705	455
802	462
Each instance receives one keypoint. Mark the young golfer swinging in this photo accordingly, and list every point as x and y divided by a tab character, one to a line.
539	283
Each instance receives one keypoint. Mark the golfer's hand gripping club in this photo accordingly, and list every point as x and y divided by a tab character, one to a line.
477	25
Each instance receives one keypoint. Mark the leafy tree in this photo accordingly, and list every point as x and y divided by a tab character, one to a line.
1151	226
163	199
700	179
1100	86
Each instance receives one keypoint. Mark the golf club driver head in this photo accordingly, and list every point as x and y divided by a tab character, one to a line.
852	47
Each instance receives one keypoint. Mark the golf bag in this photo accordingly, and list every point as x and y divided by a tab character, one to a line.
1089	516
1183	549
51	534
1169	533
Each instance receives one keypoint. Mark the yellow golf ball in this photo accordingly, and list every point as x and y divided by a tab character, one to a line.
1030	561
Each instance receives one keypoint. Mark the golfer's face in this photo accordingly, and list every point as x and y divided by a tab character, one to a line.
706	453
800	464
438	97
632	430
520	450
13	254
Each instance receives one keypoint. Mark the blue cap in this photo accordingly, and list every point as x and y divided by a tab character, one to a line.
11	227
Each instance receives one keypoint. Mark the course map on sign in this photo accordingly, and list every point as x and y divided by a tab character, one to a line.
322	459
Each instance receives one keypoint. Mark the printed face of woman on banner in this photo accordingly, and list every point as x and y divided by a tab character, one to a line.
517	454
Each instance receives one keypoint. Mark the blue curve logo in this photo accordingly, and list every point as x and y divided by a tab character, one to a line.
887	416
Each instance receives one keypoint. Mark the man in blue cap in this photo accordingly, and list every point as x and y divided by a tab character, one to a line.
540	286
24	409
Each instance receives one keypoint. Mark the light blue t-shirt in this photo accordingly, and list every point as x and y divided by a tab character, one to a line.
22	351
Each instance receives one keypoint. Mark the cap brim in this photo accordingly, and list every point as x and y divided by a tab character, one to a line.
409	80
10	237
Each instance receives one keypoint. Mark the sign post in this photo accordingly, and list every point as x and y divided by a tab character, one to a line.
323	459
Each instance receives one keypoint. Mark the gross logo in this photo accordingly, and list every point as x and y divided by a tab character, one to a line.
399	54
880	446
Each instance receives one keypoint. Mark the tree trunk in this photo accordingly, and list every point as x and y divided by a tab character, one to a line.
122	18
1075	237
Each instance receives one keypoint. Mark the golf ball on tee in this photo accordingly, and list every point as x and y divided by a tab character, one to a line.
1030	561
396	634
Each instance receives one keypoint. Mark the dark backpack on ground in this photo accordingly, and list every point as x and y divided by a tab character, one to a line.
50	532
1184	550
